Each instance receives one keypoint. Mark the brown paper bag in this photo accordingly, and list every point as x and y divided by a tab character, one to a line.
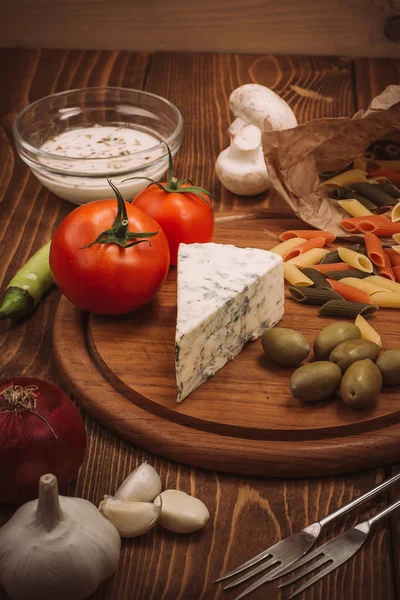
295	157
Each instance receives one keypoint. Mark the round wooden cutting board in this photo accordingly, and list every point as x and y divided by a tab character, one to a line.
242	420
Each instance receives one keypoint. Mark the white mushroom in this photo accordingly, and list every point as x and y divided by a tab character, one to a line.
254	103
241	167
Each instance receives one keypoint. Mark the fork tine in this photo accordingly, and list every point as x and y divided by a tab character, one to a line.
299	563
305	570
251	573
246	565
253	586
314	579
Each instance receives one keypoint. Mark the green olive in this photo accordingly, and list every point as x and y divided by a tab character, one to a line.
389	365
285	347
333	335
315	381
349	352
361	384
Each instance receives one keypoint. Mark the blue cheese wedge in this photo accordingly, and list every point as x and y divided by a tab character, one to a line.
227	296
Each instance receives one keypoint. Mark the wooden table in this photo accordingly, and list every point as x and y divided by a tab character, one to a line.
247	514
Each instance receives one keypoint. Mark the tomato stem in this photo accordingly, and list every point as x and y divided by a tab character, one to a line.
175	185
119	233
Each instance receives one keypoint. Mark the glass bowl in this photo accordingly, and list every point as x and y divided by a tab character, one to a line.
62	139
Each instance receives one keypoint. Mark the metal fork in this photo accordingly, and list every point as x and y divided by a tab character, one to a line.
334	553
288	551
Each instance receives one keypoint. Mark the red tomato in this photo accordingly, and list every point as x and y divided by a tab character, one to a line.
107	278
184	217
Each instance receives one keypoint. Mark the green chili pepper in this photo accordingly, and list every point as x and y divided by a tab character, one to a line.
28	286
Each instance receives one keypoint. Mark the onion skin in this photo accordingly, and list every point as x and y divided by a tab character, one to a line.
28	447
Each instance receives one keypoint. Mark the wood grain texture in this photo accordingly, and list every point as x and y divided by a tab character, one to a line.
339	27
247	514
242	420
314	87
372	76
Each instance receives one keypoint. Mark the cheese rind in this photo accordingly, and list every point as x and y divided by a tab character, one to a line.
227	296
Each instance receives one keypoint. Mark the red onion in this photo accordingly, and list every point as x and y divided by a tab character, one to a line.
41	431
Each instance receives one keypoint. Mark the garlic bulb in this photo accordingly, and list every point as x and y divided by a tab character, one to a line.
142	485
56	547
130	518
180	512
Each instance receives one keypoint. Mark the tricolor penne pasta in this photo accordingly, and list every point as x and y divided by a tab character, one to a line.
349	292
355	260
386	299
383	283
294	276
309	258
286	246
379	228
396	237
348	177
395	216
325	267
396	271
354	208
317	242
393	256
374	249
362	284
307	234
367	331
386	271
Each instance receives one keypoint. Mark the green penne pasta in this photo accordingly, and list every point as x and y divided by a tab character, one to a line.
345	309
374	192
362	200
312	295
338	193
333	257
349	273
390	189
316	277
379	151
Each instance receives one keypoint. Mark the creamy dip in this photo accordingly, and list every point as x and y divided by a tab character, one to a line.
99	150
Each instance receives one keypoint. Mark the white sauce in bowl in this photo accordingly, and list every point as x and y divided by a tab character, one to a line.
86	146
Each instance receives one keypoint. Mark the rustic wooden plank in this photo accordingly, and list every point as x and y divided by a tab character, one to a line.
372	76
28	213
247	514
200	85
343	28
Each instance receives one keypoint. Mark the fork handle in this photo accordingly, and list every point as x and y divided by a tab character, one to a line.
343	510
384	513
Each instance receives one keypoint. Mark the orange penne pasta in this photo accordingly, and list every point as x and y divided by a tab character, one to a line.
379	228
352	224
374	249
307	234
396	271
333	267
317	242
386	270
393	257
350	293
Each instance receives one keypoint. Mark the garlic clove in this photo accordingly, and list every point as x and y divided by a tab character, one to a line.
131	519
180	512
142	485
